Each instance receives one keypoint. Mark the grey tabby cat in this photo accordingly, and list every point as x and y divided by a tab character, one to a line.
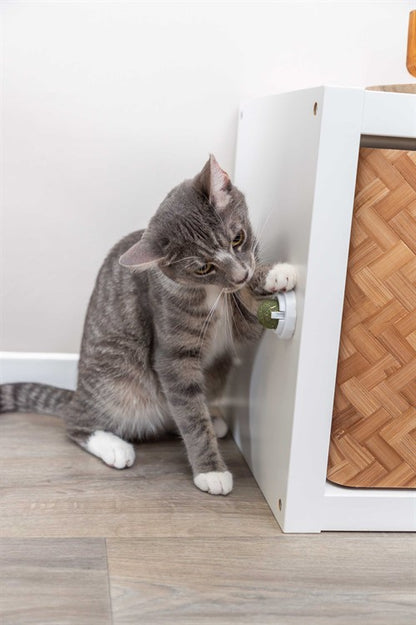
168	307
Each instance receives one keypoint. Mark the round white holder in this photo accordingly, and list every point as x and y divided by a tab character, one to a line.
286	315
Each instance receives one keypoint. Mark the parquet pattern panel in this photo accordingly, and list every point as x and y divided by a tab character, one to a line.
373	438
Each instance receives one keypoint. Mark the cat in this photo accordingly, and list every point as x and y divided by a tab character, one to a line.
169	306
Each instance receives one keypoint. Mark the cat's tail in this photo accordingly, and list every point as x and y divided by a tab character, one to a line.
32	397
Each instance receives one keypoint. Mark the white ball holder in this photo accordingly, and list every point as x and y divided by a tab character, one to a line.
286	315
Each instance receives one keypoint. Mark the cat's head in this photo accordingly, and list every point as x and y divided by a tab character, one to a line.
200	234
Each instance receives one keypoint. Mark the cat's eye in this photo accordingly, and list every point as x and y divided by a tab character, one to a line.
239	239
204	269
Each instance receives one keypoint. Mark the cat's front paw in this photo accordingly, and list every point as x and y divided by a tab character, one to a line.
281	277
215	482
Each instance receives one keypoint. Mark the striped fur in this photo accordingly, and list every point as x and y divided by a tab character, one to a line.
31	397
159	337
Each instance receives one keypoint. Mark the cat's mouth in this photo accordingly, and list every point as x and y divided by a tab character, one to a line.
242	284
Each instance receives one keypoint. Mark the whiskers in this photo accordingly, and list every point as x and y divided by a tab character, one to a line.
222	340
263	227
237	305
229	322
260	233
208	319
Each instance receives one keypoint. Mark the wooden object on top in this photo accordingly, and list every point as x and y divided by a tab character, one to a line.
411	44
394	88
373	438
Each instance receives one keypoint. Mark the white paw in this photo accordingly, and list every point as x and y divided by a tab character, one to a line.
111	449
281	277
215	482
220	426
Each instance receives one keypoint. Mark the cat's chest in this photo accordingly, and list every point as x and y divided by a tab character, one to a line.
219	333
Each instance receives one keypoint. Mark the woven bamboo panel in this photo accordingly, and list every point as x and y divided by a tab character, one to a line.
373	438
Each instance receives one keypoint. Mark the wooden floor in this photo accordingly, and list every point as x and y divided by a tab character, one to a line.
85	544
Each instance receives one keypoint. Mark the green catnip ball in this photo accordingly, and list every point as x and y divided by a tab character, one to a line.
264	313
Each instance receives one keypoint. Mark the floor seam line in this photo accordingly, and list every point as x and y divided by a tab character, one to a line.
108	581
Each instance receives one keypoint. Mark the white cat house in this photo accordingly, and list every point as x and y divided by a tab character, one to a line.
297	159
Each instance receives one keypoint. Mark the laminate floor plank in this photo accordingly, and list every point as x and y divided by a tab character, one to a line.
54	582
51	487
287	580
174	554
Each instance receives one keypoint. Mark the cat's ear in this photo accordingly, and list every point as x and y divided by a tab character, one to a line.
214	183
141	255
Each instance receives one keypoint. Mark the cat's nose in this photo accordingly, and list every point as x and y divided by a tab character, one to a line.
243	280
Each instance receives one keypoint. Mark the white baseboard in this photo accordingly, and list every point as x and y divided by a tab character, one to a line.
56	369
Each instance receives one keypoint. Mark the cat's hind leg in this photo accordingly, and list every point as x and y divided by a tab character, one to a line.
215	380
218	421
87	427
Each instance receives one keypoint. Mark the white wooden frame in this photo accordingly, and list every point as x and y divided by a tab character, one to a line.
296	162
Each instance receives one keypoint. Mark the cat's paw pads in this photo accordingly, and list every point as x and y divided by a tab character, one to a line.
281	277
220	426
111	449
215	482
